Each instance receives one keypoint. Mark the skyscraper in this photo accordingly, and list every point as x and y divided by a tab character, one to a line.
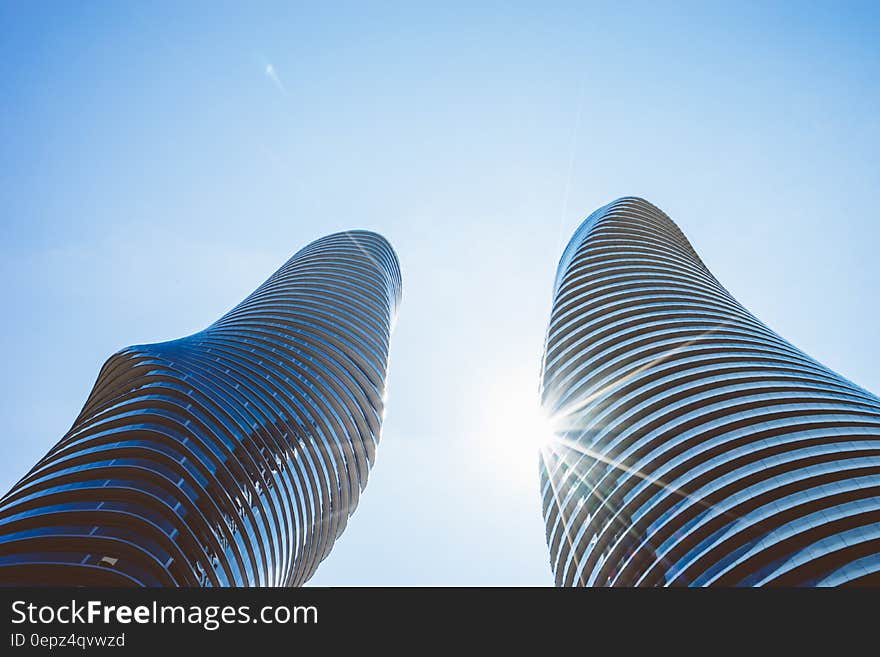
694	445
232	457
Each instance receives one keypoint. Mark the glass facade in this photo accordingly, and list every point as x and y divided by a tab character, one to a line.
694	446
231	457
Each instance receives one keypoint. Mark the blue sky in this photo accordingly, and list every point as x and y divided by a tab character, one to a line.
155	170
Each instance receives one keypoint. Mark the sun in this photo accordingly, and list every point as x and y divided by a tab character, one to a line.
514	429
535	428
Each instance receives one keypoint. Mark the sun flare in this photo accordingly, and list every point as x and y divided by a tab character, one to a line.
515	429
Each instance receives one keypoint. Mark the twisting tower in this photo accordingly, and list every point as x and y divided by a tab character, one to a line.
695	446
232	457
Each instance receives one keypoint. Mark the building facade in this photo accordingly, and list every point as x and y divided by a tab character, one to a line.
231	457
694	446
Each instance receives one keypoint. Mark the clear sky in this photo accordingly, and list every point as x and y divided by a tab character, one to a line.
157	162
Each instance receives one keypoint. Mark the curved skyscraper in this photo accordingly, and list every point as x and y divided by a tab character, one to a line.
694	445
232	457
